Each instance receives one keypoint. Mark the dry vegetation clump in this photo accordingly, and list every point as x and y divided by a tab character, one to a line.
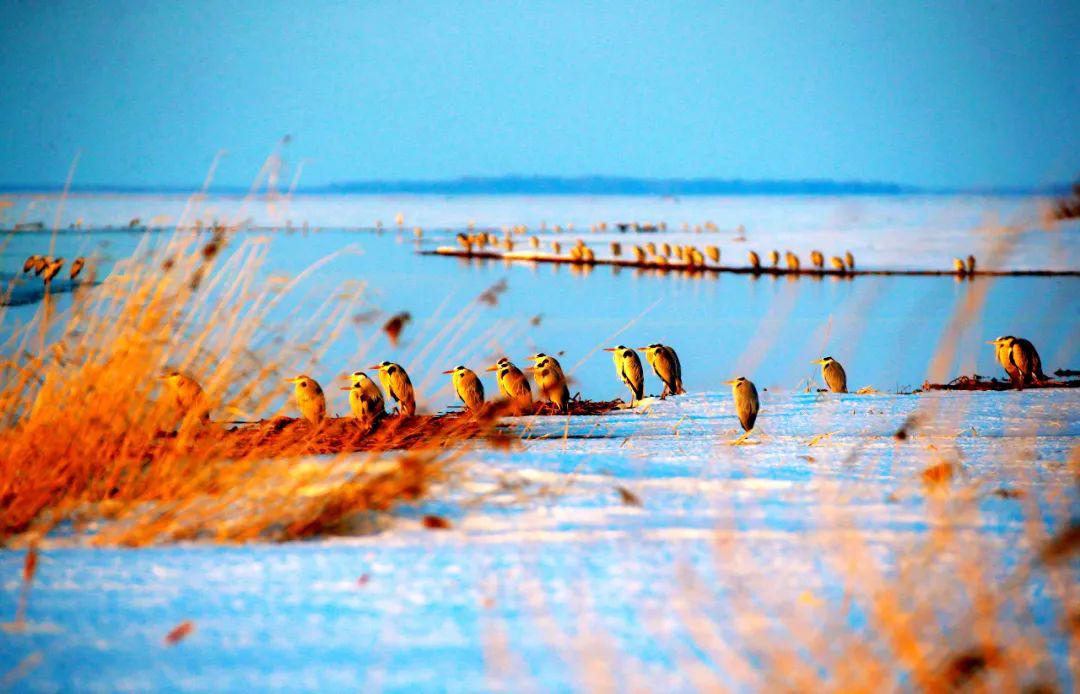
982	383
88	433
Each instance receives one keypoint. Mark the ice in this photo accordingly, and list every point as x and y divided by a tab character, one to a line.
546	569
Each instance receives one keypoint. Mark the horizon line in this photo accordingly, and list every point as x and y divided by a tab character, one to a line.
538	184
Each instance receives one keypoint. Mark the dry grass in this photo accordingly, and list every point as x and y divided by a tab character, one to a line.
88	433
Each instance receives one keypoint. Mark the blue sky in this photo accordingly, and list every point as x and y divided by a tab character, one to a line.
970	93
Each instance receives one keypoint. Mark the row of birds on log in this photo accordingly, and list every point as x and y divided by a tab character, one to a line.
662	253
1017	356
47	268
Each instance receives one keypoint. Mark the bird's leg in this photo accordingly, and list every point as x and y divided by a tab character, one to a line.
742	439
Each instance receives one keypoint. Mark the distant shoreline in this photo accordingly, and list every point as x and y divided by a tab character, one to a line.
607	186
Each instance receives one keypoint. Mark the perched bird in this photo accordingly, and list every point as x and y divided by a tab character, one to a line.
665	249
1020	360
665	364
556	247
713	252
817	259
41	263
188	395
616	249
396	384
755	260
628	367
834	374
534	242
651	248
792	261
468	387
309	398
77	266
465	242
959	266
774	258
550	380
30	263
575	253
513	384
588	255
508	244
639	254
365	399
746	401
52	270
849	260
971	265
837	263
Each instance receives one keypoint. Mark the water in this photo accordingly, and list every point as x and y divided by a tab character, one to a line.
547	571
884	330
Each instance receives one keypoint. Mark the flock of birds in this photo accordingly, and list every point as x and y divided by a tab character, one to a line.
664	253
47	267
367	403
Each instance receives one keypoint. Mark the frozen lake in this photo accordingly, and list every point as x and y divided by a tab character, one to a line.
638	550
548	578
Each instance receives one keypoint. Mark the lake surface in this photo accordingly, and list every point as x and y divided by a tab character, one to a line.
552	577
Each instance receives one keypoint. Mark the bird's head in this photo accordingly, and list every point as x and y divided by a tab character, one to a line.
824	360
736	381
302	382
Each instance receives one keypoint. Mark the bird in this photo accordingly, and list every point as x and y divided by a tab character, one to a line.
834	374
309	398
616	249
665	364
556	247
628	368
774	258
40	263
665	249
365	399
188	395
575	253
30	263
512	382
1020	360
651	248
587	255
465	242
534	242
792	261
837	263
52	270
468	387
755	261
971	265
550	380
849	260
746	401
817	259
959	266
639	254
713	252
395	382
77	266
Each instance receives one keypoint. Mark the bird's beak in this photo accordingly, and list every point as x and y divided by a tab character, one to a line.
493	367
609	349
449	372
818	361
729	383
641	349
346	387
991	342
376	367
291	380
